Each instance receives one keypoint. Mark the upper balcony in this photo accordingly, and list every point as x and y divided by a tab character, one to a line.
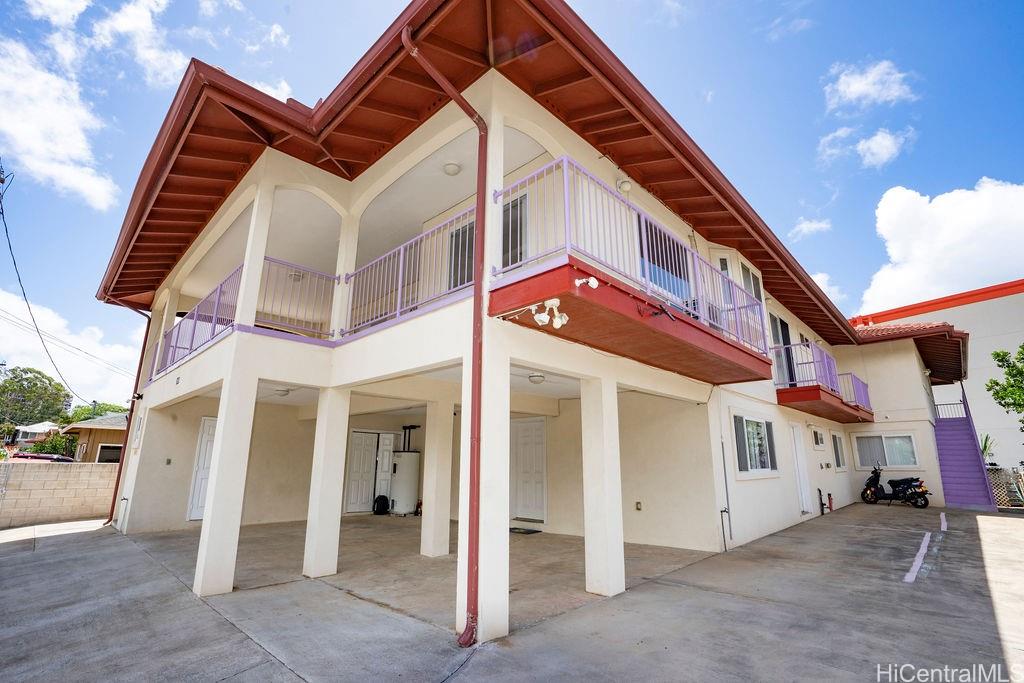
657	300
807	379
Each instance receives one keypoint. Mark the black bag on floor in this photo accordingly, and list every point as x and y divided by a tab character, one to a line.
381	505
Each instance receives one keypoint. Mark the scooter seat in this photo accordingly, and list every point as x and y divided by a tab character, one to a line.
903	482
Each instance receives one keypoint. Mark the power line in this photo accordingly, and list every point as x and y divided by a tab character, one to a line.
21	324
4	180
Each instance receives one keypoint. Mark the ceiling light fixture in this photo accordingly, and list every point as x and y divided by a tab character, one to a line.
452	168
624	185
283	392
536	378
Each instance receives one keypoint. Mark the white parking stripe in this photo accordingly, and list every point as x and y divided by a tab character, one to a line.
911	576
942	521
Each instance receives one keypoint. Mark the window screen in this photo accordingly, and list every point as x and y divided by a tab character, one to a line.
837	451
109	454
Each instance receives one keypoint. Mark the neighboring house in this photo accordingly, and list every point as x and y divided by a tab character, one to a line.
655	366
99	438
995	318
26	435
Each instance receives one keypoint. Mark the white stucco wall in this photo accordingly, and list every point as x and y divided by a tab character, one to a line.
994	325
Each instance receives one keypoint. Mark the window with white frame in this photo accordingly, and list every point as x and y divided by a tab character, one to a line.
751	282
819	439
837	451
755	445
887	450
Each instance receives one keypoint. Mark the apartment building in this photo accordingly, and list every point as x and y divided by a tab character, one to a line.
489	230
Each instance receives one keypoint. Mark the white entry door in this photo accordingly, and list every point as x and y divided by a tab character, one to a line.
528	458
201	471
385	456
802	479
362	467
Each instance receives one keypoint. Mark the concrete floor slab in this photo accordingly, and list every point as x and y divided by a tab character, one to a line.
822	600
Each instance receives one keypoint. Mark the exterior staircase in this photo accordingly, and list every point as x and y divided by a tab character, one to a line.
964	480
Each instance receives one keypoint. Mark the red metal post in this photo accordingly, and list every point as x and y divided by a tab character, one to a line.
469	635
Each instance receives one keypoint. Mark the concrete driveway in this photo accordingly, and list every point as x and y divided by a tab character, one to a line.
828	599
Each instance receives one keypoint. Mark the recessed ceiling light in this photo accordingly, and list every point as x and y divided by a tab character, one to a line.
452	168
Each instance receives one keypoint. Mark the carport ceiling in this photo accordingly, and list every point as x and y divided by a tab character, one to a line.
217	126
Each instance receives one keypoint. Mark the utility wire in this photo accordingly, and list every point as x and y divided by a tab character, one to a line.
5	181
21	324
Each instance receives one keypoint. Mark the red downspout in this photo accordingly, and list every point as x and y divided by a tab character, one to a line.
131	409
468	636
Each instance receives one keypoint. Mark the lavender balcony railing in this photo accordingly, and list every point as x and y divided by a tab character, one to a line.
854	390
561	208
214	314
805	364
296	299
422	271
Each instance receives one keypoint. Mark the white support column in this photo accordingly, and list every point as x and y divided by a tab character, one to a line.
218	541
168	317
323	522
255	250
437	479
602	487
494	495
348	238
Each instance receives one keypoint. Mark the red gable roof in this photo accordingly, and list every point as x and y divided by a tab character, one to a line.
218	126
943	348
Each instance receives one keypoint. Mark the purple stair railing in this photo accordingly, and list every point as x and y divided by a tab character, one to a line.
961	465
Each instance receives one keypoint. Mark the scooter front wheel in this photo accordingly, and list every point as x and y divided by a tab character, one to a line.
920	502
869	496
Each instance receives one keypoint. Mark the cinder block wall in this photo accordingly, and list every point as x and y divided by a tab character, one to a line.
39	493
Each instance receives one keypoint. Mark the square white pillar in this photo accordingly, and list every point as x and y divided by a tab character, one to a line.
348	238
323	521
255	251
602	487
218	541
435	523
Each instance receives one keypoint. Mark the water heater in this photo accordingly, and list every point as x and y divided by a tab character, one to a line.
405	482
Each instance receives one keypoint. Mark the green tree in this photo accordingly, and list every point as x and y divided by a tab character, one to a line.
87	412
56	443
1009	392
28	396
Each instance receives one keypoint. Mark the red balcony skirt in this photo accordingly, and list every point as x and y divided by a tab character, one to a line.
817	400
622	320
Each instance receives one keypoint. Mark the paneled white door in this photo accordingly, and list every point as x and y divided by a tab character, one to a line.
803	480
528	460
359	480
201	470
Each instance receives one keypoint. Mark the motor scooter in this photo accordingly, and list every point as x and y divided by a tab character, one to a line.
910	490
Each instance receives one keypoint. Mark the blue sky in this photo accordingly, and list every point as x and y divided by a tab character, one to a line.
869	124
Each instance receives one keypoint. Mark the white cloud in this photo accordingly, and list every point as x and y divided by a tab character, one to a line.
960	240
200	33
878	83
281	90
670	11
809	226
883	147
209	8
60	13
91	378
274	37
832	290
834	145
135	21
784	26
709	95
46	125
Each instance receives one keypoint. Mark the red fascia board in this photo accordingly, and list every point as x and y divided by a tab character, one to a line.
971	296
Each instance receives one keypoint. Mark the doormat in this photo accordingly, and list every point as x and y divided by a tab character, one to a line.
521	530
